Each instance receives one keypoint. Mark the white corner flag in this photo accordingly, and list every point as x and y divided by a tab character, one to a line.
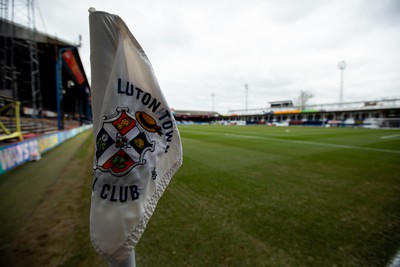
138	147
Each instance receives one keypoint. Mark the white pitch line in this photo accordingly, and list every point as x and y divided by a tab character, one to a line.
349	147
316	143
244	136
390	136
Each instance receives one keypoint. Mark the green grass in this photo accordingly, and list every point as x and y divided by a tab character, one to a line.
245	196
22	189
45	209
262	196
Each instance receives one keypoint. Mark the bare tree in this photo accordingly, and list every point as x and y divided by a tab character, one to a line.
304	97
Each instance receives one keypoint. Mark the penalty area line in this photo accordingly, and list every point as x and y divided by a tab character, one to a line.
315	143
390	136
244	136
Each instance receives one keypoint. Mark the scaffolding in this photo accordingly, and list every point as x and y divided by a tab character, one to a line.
16	55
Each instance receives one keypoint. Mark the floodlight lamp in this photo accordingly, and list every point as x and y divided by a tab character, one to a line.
342	65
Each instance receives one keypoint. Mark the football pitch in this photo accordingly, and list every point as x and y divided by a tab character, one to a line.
245	196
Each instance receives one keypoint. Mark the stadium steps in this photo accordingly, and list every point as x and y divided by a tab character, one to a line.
30	126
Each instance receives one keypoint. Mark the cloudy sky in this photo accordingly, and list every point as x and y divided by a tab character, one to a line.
277	47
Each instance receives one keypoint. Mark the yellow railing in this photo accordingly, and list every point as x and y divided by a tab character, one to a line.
8	134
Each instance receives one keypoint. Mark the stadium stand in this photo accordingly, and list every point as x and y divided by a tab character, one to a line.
384	113
194	116
45	76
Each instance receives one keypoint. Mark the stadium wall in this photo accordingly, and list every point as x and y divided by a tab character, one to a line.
17	154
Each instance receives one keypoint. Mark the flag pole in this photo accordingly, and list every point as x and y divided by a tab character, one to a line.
128	262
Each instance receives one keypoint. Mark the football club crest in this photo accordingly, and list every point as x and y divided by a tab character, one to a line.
122	141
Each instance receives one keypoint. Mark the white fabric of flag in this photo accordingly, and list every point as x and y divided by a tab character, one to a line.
138	146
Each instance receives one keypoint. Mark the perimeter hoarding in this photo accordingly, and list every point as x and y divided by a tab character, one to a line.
16	154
